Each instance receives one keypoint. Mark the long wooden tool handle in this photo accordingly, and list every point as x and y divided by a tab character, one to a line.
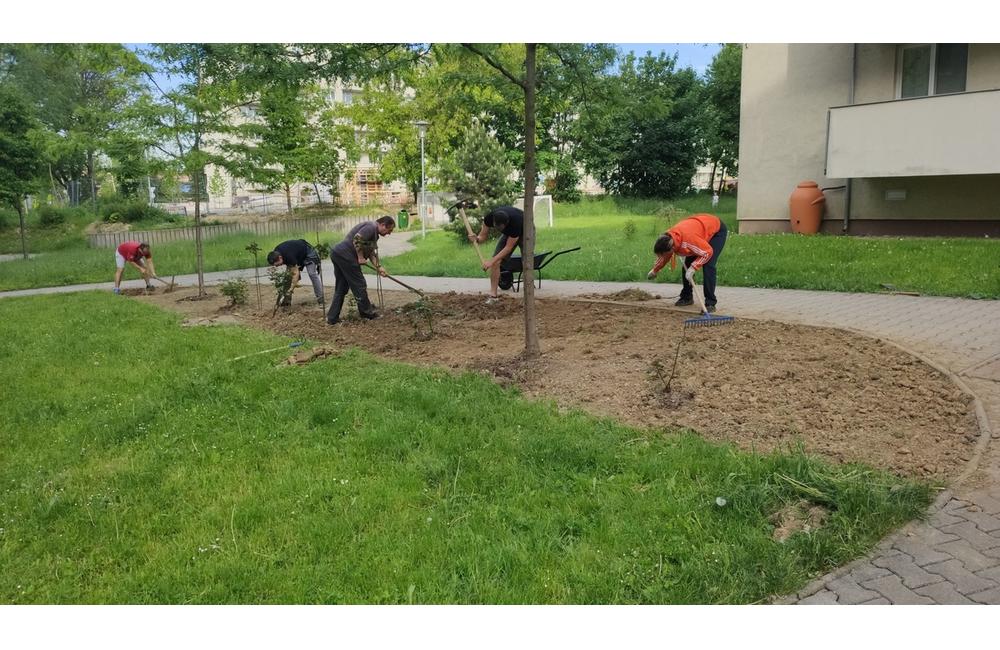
414	290
468	229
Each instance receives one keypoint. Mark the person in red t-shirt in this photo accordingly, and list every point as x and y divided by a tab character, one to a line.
138	255
699	239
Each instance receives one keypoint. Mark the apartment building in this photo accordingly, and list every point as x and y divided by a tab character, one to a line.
905	137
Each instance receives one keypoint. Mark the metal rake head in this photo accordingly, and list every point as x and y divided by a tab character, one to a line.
708	320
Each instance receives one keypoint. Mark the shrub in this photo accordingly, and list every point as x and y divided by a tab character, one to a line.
49	215
119	210
8	218
236	291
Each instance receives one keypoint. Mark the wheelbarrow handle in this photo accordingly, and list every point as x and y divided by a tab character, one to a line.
555	255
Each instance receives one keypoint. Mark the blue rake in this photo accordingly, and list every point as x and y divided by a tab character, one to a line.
706	319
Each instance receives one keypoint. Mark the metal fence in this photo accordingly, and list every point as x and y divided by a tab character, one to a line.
262	228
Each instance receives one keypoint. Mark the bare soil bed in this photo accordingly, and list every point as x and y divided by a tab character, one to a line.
758	384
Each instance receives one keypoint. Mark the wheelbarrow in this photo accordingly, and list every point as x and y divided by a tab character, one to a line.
513	265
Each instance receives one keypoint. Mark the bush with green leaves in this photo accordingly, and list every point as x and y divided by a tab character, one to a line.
124	211
563	185
7	218
236	291
282	281
50	215
629	229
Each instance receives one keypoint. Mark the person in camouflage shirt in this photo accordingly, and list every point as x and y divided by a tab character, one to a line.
358	247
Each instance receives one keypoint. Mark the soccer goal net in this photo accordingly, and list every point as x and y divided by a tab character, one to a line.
543	209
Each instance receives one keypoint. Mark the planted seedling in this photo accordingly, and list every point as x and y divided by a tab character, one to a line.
253	248
282	281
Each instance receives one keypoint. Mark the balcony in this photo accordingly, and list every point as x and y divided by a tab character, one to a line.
938	135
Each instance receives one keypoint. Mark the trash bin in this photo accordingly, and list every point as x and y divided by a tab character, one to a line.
805	208
403	219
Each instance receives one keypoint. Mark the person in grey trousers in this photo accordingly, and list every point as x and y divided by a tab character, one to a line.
298	254
357	247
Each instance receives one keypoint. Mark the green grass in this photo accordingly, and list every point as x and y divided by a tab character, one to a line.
963	267
139	465
84	264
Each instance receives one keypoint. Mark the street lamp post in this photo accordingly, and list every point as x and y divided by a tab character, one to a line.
422	131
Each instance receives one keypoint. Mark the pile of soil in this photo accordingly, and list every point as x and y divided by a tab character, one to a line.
625	295
758	384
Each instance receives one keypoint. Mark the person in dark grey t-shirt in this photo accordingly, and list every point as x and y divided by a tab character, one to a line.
357	247
510	222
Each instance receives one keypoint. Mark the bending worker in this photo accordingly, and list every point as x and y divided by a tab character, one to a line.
358	246
510	222
297	254
138	255
699	239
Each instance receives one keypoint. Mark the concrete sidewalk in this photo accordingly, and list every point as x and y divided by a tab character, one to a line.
953	556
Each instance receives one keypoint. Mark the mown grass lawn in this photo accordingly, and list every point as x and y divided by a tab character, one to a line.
138	464
617	238
82	264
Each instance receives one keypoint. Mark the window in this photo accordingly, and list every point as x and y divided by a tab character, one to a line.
932	69
348	97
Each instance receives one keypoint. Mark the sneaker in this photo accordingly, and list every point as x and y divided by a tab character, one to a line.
684	302
371	316
333	322
710	308
492	300
117	291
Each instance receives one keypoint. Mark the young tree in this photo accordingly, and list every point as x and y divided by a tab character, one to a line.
182	120
82	92
480	169
527	83
642	137
722	90
289	142
20	159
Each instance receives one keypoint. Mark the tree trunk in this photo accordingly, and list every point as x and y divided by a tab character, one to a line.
20	216
722	181
532	349
319	199
93	184
288	197
711	179
200	263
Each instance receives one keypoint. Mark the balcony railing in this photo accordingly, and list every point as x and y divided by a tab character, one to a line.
927	136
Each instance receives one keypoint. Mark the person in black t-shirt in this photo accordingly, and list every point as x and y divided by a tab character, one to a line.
510	222
298	254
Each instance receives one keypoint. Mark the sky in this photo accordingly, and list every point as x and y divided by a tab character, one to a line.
695	55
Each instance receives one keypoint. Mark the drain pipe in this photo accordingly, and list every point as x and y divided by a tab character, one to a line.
850	100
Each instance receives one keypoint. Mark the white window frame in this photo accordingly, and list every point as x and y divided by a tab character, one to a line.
932	73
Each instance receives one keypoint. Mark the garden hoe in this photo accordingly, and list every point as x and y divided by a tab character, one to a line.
468	229
169	285
414	290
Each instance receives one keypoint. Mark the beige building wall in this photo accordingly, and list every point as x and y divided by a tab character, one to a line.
787	91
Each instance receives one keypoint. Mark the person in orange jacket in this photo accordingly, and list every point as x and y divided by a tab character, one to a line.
699	239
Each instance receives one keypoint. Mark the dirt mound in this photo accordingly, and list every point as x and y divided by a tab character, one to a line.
626	295
758	384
